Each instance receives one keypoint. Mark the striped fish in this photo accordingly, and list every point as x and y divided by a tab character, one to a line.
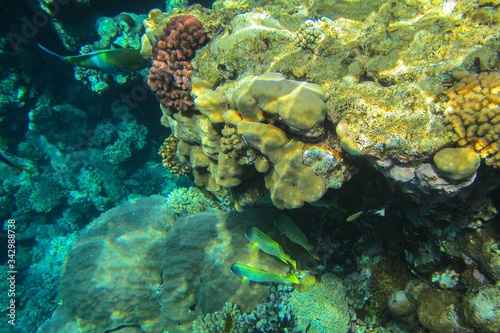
260	276
293	233
268	245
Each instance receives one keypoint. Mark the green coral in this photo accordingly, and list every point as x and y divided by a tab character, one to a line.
323	308
60	245
118	152
132	136
46	195
220	321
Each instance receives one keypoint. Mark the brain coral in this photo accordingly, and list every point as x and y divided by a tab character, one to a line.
171	72
473	112
135	266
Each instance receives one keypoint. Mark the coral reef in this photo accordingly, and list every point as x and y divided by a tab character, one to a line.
360	118
171	72
473	112
323	308
193	279
124	31
189	201
274	314
46	195
131	136
394	124
271	127
124	227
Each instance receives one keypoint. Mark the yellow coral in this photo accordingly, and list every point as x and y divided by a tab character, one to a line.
170	160
299	105
224	147
473	113
457	163
211	103
290	181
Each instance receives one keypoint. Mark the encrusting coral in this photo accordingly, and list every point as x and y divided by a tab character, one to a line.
300	106
170	75
473	112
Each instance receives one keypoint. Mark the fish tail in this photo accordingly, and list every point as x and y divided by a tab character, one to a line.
292	278
49	51
314	255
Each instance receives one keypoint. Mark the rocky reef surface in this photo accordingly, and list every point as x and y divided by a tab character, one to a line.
373	125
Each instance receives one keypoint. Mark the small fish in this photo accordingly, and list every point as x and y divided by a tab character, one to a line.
354	216
293	233
113	61
268	245
260	276
16	163
379	212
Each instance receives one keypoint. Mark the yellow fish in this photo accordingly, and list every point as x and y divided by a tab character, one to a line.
257	275
113	61
268	245
354	216
293	233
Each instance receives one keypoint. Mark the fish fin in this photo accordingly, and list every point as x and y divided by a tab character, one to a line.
293	263
245	281
314	255
255	247
293	278
49	51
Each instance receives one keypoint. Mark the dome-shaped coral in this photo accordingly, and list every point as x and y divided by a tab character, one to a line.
457	163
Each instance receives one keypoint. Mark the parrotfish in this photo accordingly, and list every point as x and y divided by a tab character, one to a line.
293	233
113	61
260	276
268	245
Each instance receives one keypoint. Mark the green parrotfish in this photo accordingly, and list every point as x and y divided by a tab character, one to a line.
293	233
268	245
260	276
113	61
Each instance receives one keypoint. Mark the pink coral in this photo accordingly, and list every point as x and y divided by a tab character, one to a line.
170	75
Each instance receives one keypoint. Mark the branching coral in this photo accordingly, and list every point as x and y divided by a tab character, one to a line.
309	35
473	112
272	315
189	201
235	146
170	159
171	72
